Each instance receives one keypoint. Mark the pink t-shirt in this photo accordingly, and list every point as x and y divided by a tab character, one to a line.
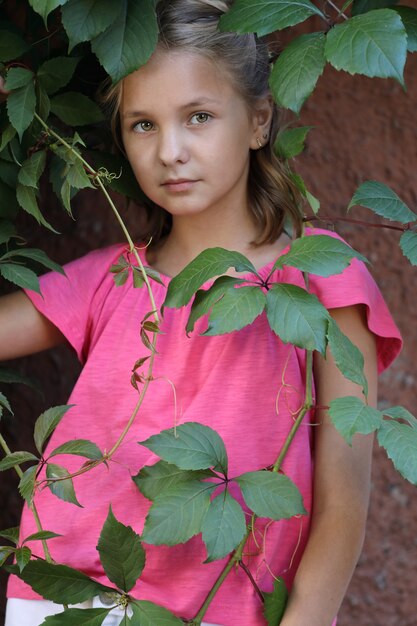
246	385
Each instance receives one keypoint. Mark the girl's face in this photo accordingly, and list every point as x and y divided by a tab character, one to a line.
187	134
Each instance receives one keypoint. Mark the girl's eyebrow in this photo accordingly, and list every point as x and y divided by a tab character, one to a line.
189	105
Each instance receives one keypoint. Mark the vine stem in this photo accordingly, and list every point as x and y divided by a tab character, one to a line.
336	8
349	220
32	505
134	251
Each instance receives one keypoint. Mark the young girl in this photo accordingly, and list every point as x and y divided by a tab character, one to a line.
198	126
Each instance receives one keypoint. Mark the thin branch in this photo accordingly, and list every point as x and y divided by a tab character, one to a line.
336	8
349	220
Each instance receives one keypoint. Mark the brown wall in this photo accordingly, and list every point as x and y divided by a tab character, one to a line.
365	129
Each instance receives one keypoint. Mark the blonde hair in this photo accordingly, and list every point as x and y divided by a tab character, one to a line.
192	26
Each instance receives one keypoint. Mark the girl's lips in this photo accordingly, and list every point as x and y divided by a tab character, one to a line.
178	185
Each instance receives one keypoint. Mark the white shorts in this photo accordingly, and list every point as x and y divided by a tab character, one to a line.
33	612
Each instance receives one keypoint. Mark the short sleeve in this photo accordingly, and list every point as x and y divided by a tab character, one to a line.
355	285
69	301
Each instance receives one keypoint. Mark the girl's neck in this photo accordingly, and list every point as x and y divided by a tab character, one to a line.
190	237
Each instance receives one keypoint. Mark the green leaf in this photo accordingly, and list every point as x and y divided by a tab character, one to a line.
9	376
149	614
153	480
319	254
121	553
26	196
16	458
152	274
400	443
121	277
208	264
362	6
79	447
408	243
177	515
297	317
56	73
62	489
224	526
383	201
235	310
12	45
21	105
204	299
190	446
290	142
5	552
129	42
7	231
347	356
4	401
265	17
44	7
76	109
27	483
42	535
350	416
275	602
81	617
59	583
85	19
43	102
18	77
11	534
20	276
32	169
22	556
269	494
35	255
409	19
373	44
46	424
400	413
7	135
297	70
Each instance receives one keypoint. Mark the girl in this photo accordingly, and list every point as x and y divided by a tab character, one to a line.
198	125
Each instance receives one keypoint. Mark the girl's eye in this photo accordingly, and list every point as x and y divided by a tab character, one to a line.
143	127
200	118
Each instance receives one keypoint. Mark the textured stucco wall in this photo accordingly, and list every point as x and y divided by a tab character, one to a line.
365	129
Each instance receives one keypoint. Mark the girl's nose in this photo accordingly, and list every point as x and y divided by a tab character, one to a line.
172	147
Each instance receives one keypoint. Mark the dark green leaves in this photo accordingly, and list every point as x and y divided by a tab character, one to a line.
409	19
264	17
59	583
149	614
208	264
383	201
321	255
269	494
75	109
290	142
60	484
129	41
81	617
18	77
224	526
297	70
44	7
46	424
178	515
85	19
408	243
374	44
236	309
153	480
56	73
20	276
206	298
79	447
21	105
297	317
275	602
347	356
12	45
16	458
32	169
121	553
400	443
350	415
190	446
362	6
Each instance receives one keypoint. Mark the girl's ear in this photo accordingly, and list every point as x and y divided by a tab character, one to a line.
261	119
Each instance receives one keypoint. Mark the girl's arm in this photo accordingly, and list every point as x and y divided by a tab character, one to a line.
341	489
23	330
